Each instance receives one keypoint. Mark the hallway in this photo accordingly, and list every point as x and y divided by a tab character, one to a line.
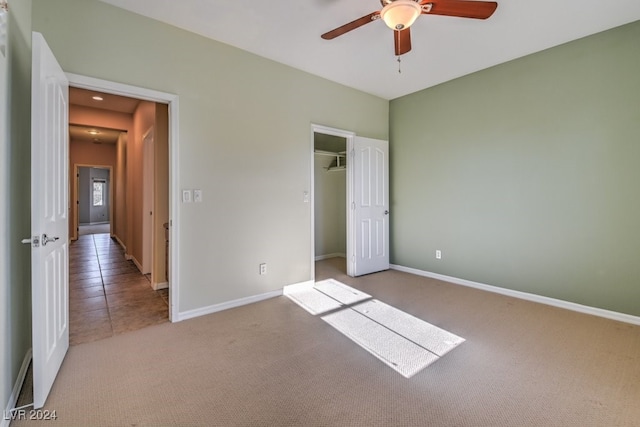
107	294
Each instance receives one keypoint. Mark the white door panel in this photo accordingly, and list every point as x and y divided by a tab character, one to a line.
49	220
148	172
370	205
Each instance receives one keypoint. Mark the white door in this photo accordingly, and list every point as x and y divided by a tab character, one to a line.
370	205
148	172
49	219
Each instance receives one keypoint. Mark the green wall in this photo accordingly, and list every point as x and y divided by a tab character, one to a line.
526	175
244	139
15	205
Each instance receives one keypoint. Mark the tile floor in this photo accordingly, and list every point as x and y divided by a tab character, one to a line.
107	294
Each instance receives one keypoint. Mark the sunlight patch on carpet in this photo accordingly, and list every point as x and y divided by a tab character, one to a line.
340	292
392	349
401	341
436	340
324	296
314	301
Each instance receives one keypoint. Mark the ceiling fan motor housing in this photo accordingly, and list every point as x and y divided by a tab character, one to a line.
400	14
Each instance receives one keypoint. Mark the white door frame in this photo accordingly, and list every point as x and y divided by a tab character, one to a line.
348	135
106	86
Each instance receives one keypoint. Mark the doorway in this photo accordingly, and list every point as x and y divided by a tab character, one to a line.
91	198
167	232
331	192
330	199
110	292
367	197
120	254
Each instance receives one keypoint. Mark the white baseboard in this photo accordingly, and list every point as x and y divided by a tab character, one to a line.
600	312
122	245
15	393
327	256
184	315
159	285
135	261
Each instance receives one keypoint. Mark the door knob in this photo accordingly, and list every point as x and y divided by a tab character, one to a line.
46	239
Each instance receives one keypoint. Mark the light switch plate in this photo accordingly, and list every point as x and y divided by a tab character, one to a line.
197	196
186	196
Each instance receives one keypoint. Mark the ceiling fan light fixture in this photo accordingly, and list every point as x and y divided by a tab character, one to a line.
400	14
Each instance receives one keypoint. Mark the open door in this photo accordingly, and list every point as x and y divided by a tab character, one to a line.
49	218
148	179
368	250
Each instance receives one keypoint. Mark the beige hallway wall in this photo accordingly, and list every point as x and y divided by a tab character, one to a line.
161	198
143	119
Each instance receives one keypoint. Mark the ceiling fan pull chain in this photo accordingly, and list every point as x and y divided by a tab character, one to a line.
399	63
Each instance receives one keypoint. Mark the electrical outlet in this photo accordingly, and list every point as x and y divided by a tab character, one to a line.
438	254
197	196
263	268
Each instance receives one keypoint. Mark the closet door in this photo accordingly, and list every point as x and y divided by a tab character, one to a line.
370	182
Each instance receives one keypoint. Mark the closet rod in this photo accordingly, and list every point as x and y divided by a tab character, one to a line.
331	153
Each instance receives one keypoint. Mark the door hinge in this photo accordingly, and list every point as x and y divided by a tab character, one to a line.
353	205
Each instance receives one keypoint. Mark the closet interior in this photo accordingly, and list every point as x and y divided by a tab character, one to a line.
330	196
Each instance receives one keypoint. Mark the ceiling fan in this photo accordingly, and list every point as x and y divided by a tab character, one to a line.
399	15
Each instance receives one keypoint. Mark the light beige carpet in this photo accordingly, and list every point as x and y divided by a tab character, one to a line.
273	364
403	342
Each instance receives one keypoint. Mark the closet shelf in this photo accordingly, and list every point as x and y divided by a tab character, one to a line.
340	162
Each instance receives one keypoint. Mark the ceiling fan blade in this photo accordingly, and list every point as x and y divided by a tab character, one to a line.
461	8
351	26
402	41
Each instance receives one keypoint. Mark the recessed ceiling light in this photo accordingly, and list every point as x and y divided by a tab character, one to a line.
93	132
97	98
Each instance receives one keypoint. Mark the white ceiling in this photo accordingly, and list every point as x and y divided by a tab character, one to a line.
444	48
